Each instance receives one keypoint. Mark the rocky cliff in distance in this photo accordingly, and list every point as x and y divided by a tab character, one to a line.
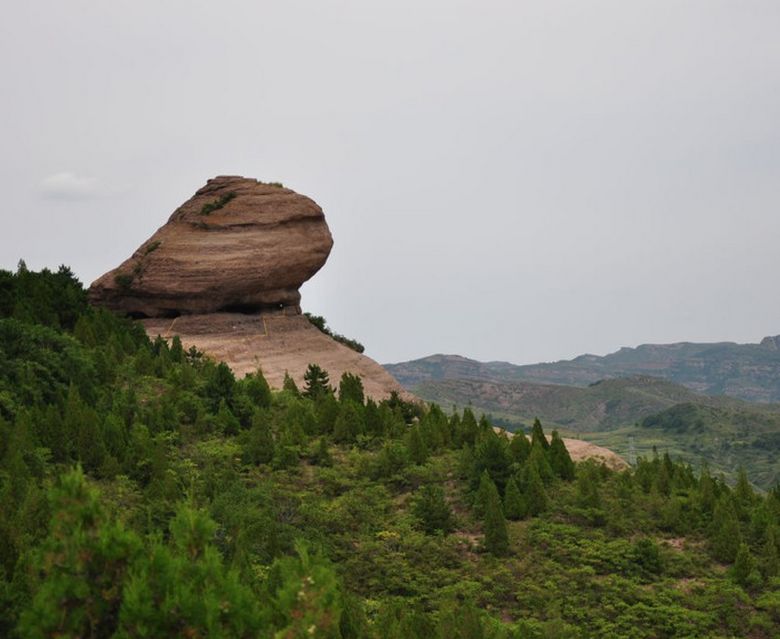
223	274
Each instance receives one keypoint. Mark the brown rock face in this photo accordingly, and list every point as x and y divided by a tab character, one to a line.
223	274
236	245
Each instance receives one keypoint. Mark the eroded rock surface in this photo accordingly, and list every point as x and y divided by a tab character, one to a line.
236	245
276	342
223	274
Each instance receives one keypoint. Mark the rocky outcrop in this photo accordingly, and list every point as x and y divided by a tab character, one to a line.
223	274
236	245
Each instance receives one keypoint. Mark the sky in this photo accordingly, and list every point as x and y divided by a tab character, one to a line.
520	181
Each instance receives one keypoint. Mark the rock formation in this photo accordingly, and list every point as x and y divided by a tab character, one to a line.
237	244
223	274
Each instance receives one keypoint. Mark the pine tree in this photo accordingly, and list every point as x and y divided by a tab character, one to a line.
743	495
327	410
184	589
770	561
514	504
258	390
290	386
482	495
82	562
538	459
743	567
535	494
726	536
351	388
372	418
220	386
417	449
519	447
286	453
321	456
432	510
560	460
177	350
588	495
227	422
468	428
537	435
258	442
706	494
316	382
494	523
492	454
349	423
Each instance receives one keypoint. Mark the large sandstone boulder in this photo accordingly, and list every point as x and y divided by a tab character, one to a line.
223	275
236	245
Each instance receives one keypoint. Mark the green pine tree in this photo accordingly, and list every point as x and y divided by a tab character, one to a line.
417	449
482	494
537	435
560	460
349	423
185	590
538	460
769	564
432	510
258	442
226	421
82	566
514	504
316	382
351	388
744	565
322	456
494	523
258	390
289	385
726	536
535	495
519	447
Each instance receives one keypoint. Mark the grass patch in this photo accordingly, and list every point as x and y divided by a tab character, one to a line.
217	204
152	247
124	281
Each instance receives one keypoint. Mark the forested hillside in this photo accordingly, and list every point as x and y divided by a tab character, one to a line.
631	416
146	492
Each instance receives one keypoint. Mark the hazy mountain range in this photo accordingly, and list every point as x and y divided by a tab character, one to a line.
746	371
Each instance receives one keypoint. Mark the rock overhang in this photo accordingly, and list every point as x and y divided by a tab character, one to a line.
236	245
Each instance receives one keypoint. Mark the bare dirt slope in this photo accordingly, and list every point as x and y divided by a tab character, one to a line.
276	342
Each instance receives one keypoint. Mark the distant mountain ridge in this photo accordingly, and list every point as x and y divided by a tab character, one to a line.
746	371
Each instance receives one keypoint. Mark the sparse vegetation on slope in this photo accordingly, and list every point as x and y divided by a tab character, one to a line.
321	324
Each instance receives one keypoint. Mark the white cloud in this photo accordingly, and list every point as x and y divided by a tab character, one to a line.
66	185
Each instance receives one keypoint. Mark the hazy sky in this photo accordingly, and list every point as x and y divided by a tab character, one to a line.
504	180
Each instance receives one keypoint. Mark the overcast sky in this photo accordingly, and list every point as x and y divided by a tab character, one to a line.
524	181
